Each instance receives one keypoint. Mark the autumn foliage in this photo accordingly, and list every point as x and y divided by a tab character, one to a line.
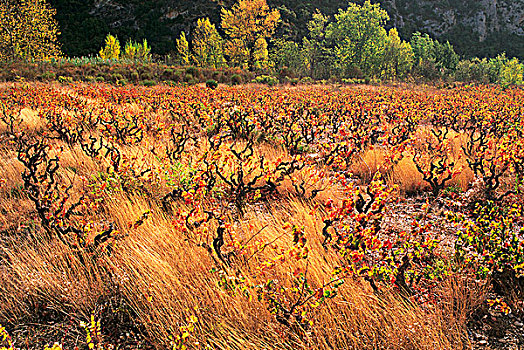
262	213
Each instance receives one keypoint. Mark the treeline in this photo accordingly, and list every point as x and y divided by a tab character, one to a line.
352	45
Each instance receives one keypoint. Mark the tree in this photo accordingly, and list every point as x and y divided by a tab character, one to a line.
288	55
136	51
318	51
445	56
512	73
261	54
398	56
111	50
247	24
423	47
360	37
207	45
27	30
425	50
182	47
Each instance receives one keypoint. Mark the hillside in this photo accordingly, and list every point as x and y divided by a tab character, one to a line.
475	28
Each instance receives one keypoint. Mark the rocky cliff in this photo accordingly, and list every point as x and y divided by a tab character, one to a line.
474	27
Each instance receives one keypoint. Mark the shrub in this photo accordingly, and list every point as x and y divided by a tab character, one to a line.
48	76
212	84
170	83
122	82
307	80
512	73
135	76
192	71
266	79
148	83
167	74
177	75
116	77
147	76
65	80
136	51
236	79
100	79
475	70
333	80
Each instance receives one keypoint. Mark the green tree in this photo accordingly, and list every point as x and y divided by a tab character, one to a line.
512	72
423	47
27	30
360	37
136	51
111	50
248	24
445	56
317	49
287	54
182	48
398	56
426	50
207	45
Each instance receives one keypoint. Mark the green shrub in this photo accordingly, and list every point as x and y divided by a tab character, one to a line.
148	83
307	80
193	71
221	78
89	78
177	75
512	72
100	79
266	79
48	76
236	79
122	82
135	76
147	76
212	84
167	74
116	77
65	80
333	80
476	70
188	77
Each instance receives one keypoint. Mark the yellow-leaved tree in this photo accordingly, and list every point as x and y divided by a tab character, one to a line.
111	51
28	30
182	47
136	51
398	56
207	45
248	24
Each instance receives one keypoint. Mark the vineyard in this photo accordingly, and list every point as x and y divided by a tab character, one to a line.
249	217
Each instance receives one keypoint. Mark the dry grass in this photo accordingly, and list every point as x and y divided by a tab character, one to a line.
164	276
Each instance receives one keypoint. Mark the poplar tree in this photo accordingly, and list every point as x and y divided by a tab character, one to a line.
28	30
207	45
248	25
